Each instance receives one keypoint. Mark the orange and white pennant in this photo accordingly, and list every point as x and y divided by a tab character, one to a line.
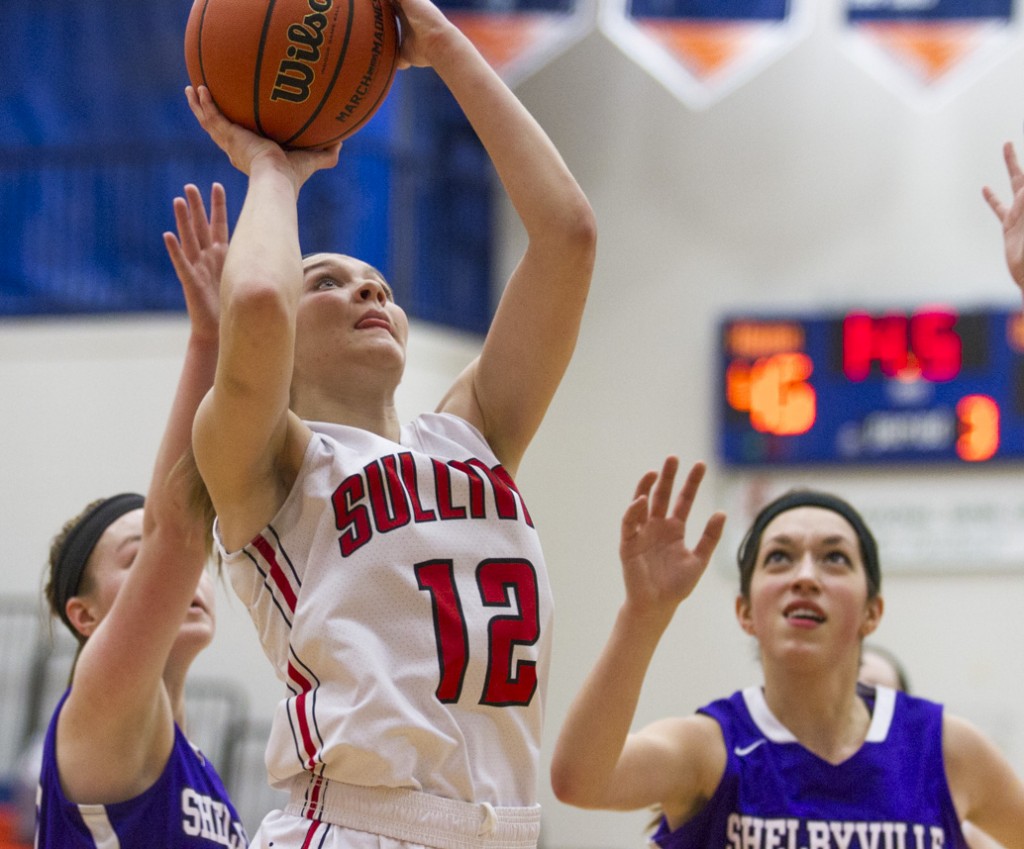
701	50
930	51
518	37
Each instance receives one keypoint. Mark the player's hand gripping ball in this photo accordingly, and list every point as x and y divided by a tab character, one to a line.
305	73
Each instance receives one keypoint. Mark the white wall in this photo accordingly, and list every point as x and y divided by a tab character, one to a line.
812	185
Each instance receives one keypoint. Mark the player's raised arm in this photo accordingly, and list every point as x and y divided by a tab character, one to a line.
124	578
247	444
597	763
532	337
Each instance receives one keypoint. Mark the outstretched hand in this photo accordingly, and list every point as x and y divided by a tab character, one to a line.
244	147
197	254
1012	216
658	567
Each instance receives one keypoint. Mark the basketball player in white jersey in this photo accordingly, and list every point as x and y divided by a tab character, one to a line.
392	570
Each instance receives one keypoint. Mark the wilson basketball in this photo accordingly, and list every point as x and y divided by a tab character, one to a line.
305	73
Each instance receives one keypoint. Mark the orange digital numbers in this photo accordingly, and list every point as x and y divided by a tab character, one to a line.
978	420
775	392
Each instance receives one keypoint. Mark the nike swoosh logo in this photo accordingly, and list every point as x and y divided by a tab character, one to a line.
743	751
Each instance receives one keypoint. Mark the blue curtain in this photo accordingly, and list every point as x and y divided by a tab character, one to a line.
96	139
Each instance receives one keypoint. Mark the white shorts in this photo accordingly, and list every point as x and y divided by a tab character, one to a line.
323	814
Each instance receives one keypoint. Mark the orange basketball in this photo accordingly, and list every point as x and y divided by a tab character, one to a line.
305	73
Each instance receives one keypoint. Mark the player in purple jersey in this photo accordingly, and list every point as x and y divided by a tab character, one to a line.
384	564
806	760
880	667
127	578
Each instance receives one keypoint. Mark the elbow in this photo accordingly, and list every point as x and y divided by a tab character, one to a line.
570	788
580	230
568	232
258	303
563	787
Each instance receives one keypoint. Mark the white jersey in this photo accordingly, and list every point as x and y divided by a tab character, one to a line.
402	596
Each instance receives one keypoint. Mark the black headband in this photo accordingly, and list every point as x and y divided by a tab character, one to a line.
813	498
79	543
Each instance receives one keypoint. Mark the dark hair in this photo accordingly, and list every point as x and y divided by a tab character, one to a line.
747	555
73	546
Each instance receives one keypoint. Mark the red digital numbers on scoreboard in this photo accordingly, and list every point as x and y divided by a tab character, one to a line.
924	344
927	384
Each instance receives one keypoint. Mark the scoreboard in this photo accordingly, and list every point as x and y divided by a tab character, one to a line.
926	385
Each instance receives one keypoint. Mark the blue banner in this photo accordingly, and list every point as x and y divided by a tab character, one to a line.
935	10
713	10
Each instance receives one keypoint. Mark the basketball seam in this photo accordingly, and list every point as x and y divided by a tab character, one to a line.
259	67
199	44
352	128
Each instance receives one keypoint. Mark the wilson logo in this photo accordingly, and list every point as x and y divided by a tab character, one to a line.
295	74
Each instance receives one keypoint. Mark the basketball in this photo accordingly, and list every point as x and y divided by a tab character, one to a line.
305	73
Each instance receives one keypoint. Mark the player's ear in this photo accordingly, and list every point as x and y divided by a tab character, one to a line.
743	614
81	615
872	615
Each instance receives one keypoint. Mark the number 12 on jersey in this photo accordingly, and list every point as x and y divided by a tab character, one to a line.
503	585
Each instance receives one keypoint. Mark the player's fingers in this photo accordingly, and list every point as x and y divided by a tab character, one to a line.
1012	165
186	236
634	517
219	213
195	104
177	256
197	211
662	495
994	203
688	494
644	485
709	539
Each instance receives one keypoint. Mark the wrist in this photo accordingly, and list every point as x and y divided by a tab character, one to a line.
204	341
271	165
649	619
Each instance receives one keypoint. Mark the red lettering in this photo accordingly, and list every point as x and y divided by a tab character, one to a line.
350	518
408	466
385	486
443	488
476	488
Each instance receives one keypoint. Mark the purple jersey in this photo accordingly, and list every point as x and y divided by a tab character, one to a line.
187	808
775	794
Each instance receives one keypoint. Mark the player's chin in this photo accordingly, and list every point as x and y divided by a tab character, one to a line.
197	631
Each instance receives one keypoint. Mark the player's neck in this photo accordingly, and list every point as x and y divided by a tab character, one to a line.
823	711
174	683
373	412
